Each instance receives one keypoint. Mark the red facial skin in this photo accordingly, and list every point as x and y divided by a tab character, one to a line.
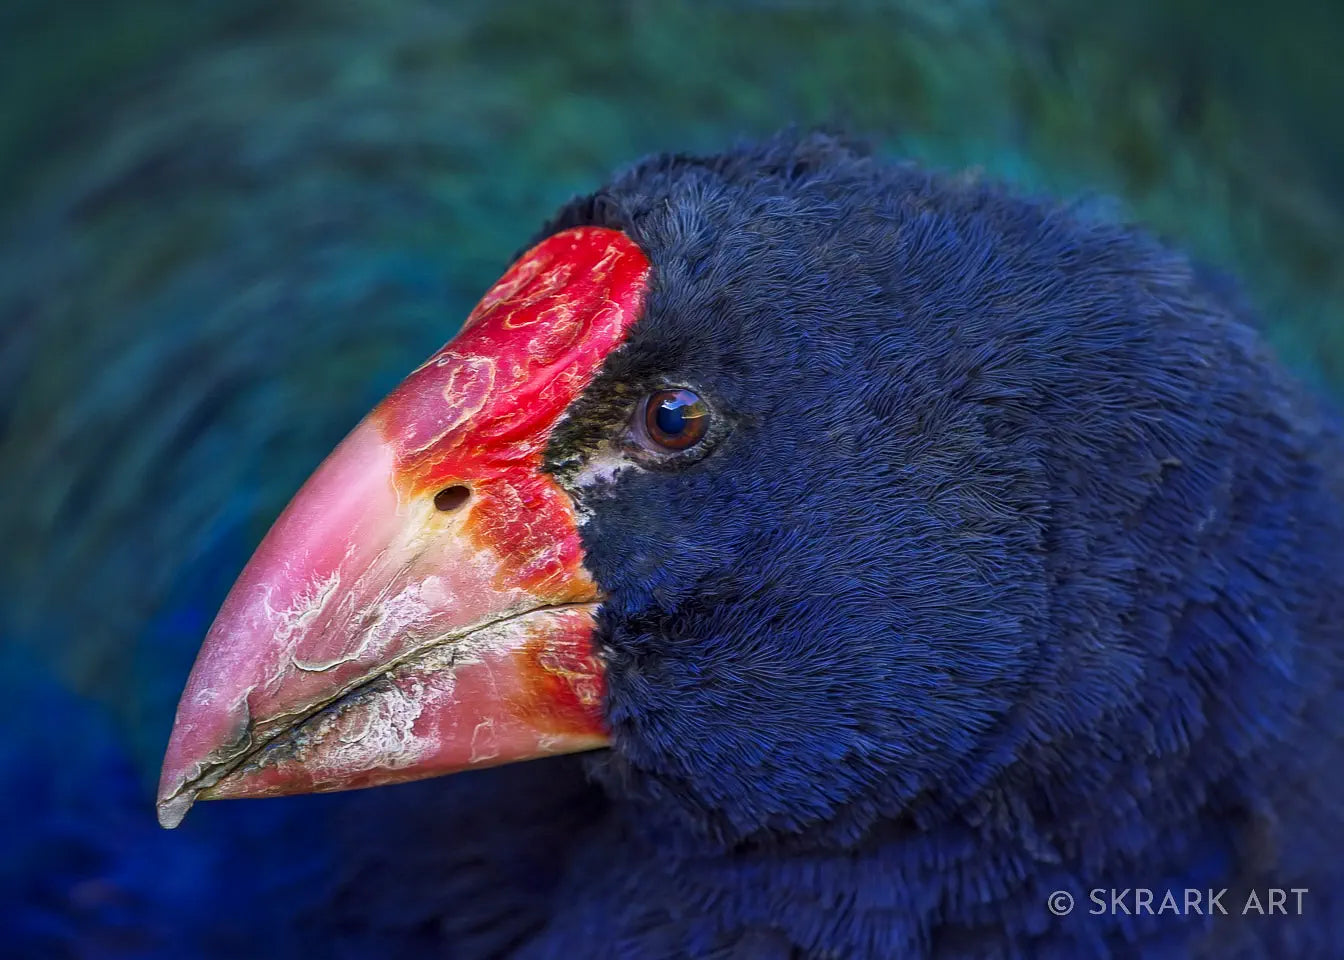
374	638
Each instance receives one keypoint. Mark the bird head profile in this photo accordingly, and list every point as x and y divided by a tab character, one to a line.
833	509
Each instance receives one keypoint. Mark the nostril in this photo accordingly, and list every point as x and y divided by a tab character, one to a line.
451	498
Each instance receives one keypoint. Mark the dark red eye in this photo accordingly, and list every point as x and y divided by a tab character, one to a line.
676	419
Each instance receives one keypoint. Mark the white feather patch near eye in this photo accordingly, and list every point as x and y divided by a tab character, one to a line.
599	470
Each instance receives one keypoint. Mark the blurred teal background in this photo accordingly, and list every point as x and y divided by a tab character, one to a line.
228	226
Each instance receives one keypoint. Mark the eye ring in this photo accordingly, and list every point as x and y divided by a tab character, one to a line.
674	419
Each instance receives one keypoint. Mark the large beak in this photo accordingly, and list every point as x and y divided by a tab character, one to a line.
422	605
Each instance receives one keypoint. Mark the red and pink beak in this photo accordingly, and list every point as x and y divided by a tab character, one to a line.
421	606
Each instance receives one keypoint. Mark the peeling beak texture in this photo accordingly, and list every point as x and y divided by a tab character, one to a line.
374	638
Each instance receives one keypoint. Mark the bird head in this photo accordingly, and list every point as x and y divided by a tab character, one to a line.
781	475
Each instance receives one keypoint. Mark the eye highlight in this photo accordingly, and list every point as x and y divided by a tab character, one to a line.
675	419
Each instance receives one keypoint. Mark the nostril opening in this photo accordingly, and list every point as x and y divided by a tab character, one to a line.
451	498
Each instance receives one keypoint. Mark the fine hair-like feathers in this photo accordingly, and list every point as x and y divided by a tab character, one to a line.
1019	569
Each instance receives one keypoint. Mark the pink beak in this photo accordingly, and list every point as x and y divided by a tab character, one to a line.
421	606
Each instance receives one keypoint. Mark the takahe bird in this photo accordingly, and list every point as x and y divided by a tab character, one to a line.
916	551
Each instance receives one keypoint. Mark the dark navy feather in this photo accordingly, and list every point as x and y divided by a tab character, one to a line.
1019	569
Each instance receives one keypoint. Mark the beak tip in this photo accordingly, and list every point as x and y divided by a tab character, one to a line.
172	810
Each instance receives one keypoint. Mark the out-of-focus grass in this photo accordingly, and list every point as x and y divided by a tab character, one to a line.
1212	120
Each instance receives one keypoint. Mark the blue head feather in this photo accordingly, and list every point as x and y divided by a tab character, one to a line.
1016	566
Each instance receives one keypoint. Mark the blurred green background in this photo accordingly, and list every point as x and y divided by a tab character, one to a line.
228	226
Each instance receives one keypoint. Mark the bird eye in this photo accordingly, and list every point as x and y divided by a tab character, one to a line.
675	419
